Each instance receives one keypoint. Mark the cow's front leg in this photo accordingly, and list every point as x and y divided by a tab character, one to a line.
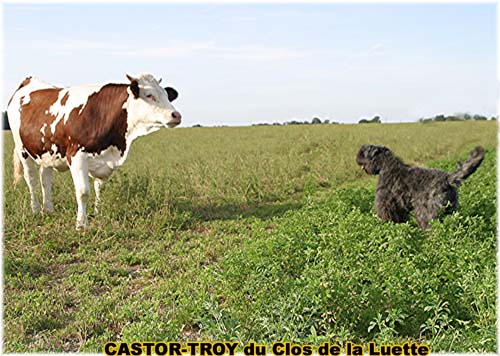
46	181
29	173
97	188
80	173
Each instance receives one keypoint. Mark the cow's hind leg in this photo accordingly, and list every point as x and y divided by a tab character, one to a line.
80	173
46	181
30	176
97	188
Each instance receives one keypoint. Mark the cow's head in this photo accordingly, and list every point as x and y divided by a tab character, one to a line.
152	103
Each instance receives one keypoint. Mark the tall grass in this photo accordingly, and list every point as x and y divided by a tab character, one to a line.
263	233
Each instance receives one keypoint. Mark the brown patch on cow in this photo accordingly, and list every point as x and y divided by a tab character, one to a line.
70	146
65	98
102	122
23	84
93	127
33	116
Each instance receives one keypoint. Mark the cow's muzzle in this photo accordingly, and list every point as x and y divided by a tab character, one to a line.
176	119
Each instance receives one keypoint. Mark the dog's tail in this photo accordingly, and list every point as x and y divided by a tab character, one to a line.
18	167
465	169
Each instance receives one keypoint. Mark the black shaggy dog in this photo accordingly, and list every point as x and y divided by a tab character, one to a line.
402	188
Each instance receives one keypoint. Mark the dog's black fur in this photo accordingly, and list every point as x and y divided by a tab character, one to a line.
402	188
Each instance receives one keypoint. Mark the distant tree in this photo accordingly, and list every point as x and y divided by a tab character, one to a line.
197	125
5	121
326	121
374	120
493	118
316	120
453	118
276	124
425	120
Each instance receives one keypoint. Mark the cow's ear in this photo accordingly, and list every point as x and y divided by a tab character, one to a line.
134	86
172	93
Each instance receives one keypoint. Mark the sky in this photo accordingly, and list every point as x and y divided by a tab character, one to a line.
242	64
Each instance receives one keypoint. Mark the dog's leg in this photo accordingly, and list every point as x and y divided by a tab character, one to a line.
423	216
385	214
388	208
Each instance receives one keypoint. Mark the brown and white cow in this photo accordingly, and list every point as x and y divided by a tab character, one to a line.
88	129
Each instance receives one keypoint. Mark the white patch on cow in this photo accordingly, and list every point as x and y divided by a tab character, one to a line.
76	96
42	131
102	165
53	161
150	112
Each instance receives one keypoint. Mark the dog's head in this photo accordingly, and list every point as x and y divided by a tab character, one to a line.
371	158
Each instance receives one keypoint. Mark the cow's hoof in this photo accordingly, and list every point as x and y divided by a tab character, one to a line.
82	225
48	210
35	208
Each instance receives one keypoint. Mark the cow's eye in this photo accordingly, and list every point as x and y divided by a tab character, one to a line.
151	96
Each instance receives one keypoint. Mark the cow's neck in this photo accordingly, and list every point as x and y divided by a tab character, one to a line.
137	126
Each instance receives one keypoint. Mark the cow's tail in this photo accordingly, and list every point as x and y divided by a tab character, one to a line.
465	169
18	167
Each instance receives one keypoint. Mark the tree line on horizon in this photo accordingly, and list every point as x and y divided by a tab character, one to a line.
456	117
317	121
377	120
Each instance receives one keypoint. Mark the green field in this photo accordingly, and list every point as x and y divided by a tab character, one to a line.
255	233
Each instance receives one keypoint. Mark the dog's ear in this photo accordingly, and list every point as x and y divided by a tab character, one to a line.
379	150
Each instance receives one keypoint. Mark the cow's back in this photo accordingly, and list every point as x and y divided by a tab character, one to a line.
58	122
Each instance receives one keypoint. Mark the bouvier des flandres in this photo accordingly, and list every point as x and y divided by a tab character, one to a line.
402	188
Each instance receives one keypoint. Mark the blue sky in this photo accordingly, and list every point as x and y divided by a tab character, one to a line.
239	64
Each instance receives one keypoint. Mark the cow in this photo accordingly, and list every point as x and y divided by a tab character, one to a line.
87	129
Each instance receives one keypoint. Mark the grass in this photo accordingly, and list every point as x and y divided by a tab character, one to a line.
255	233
